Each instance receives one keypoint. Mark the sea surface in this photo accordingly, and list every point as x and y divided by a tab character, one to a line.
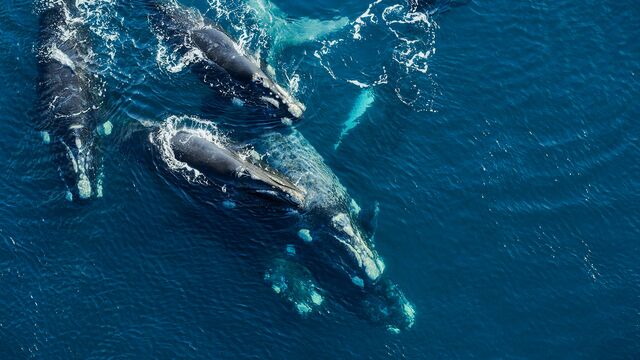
500	138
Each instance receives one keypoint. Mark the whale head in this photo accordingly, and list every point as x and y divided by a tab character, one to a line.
278	98
77	163
362	283
350	251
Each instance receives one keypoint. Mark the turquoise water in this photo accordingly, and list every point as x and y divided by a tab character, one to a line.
501	145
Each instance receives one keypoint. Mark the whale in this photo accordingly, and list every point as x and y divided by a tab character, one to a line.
225	165
336	240
67	102
221	61
332	253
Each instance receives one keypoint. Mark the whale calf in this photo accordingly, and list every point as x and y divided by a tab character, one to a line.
67	104
217	162
222	61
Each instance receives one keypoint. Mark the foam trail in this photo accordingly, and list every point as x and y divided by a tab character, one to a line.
284	32
363	102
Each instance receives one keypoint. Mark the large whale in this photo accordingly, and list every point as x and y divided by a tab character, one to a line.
222	62
333	241
67	102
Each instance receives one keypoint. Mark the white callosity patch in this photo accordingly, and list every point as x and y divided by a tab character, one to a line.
237	102
305	235
229	204
106	128
100	183
316	298
354	242
46	138
84	186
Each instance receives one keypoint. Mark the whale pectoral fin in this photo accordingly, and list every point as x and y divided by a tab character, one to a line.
364	101
105	129
285	32
368	219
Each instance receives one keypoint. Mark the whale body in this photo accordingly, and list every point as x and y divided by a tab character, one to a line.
332	243
222	62
67	104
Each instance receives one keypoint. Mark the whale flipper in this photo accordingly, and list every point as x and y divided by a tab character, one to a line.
362	103
285	32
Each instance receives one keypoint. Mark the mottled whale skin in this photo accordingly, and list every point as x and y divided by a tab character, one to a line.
337	250
224	62
66	108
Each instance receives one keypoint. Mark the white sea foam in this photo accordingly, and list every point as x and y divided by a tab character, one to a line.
409	49
205	129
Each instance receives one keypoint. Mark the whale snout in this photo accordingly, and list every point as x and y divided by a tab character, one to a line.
77	165
368	264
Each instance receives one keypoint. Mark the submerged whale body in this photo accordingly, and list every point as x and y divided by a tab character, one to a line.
67	105
331	244
222	63
338	249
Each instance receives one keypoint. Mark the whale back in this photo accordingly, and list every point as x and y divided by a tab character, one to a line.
222	164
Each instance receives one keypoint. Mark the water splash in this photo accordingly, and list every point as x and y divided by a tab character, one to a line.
161	138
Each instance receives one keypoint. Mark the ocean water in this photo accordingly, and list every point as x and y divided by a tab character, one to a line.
501	143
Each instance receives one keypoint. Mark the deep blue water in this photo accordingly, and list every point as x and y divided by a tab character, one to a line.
503	146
